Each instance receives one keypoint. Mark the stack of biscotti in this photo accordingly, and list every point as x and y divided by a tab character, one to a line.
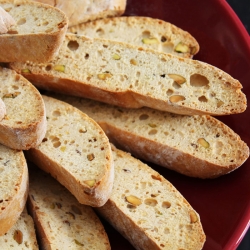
147	32
37	34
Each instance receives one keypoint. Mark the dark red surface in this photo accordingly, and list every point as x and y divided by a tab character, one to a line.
223	203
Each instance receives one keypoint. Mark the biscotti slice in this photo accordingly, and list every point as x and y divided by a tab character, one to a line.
76	152
24	124
79	11
37	35
22	235
2	109
141	31
197	146
13	188
61	221
132	77
148	210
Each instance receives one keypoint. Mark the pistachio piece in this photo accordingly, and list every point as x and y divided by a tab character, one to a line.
176	98
116	57
25	71
177	78
203	142
150	40
133	200
104	76
18	236
90	183
59	68
182	48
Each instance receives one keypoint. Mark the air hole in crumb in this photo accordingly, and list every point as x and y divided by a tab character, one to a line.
100	31
151	202
73	45
197	80
202	99
166	204
81	130
169	92
48	67
156	177
163	39
86	56
56	144
45	23
153	132
176	85
56	113
166	230
146	33
143	117
21	21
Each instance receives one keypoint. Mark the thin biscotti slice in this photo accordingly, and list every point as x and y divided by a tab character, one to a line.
148	210
145	32
79	11
37	35
13	188
2	109
22	235
197	146
132	77
61	221
76	152
24	124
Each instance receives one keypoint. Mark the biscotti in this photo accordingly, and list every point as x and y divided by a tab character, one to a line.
2	109
13	188
76	152
22	235
141	31
24	124
37	35
148	210
132	77
61	221
197	146
79	11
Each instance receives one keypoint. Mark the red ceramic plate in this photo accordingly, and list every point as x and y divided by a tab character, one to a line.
223	203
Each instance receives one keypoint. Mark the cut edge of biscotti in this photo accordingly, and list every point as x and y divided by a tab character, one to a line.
141	31
24	124
52	206
2	109
76	152
14	186
196	146
133	77
22	234
37	35
148	210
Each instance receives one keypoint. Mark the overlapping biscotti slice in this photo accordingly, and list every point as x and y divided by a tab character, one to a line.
61	221
128	76
24	124
37	35
79	11
76	152
22	235
2	109
197	146
13	188
148	210
145	32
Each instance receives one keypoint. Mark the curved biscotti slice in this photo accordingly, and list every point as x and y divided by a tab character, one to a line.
61	221
13	188
24	124
37	35
76	152
2	109
197	146
22	235
79	11
145	32
148	210
123	75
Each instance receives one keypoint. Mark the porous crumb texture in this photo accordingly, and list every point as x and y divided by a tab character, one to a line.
148	210
128	76
76	151
79	11
21	236
203	140
32	19
61	222
141	31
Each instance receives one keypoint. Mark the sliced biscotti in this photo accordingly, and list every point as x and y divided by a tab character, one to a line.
79	11
37	35
22	235
13	188
197	146
60	220
24	124
128	76
2	109
148	210
143	32
76	152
